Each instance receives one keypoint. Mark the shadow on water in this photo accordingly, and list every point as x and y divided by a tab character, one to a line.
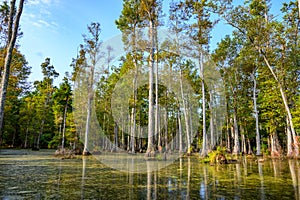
30	175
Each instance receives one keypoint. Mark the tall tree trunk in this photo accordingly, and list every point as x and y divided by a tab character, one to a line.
133	113
258	148
249	147
116	132
236	148
289	140
123	135
40	135
151	73
64	127
204	145
87	126
244	150
132	130
26	136
156	88
13	28
274	145
186	116
166	130
211	122
180	133
273	148
89	107
228	138
299	7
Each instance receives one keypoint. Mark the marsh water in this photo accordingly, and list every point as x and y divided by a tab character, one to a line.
40	175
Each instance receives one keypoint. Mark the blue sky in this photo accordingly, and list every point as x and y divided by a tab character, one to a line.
54	28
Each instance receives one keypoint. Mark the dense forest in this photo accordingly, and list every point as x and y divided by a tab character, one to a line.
258	63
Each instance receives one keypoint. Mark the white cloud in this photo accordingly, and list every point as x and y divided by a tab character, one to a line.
38	14
45	11
28	16
43	23
36	24
42	2
54	24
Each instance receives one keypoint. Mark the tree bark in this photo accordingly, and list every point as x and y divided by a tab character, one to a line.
64	127
236	148
122	136
10	22
204	145
228	136
133	113
211	122
186	116
275	145
299	7
11	44
132	130
166	131
258	148
26	136
151	73
180	133
244	150
89	108
156	89
87	125
116	132
289	140
249	147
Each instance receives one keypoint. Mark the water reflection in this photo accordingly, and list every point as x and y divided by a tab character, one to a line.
203	186
187	178
261	178
149	176
130	182
84	159
295	174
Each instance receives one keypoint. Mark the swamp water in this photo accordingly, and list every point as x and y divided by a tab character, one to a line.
40	175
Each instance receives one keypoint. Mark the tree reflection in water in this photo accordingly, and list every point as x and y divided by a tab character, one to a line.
261	178
38	177
83	176
149	196
203	186
295	174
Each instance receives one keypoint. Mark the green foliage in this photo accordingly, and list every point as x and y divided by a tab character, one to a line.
17	86
215	156
265	150
45	111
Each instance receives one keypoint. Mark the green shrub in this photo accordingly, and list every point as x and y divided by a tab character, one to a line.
214	156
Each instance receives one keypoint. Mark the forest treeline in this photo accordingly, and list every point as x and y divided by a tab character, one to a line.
258	63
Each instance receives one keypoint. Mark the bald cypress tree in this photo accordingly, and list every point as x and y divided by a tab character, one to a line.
13	28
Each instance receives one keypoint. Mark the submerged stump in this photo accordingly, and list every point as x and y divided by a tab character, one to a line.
65	153
221	159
